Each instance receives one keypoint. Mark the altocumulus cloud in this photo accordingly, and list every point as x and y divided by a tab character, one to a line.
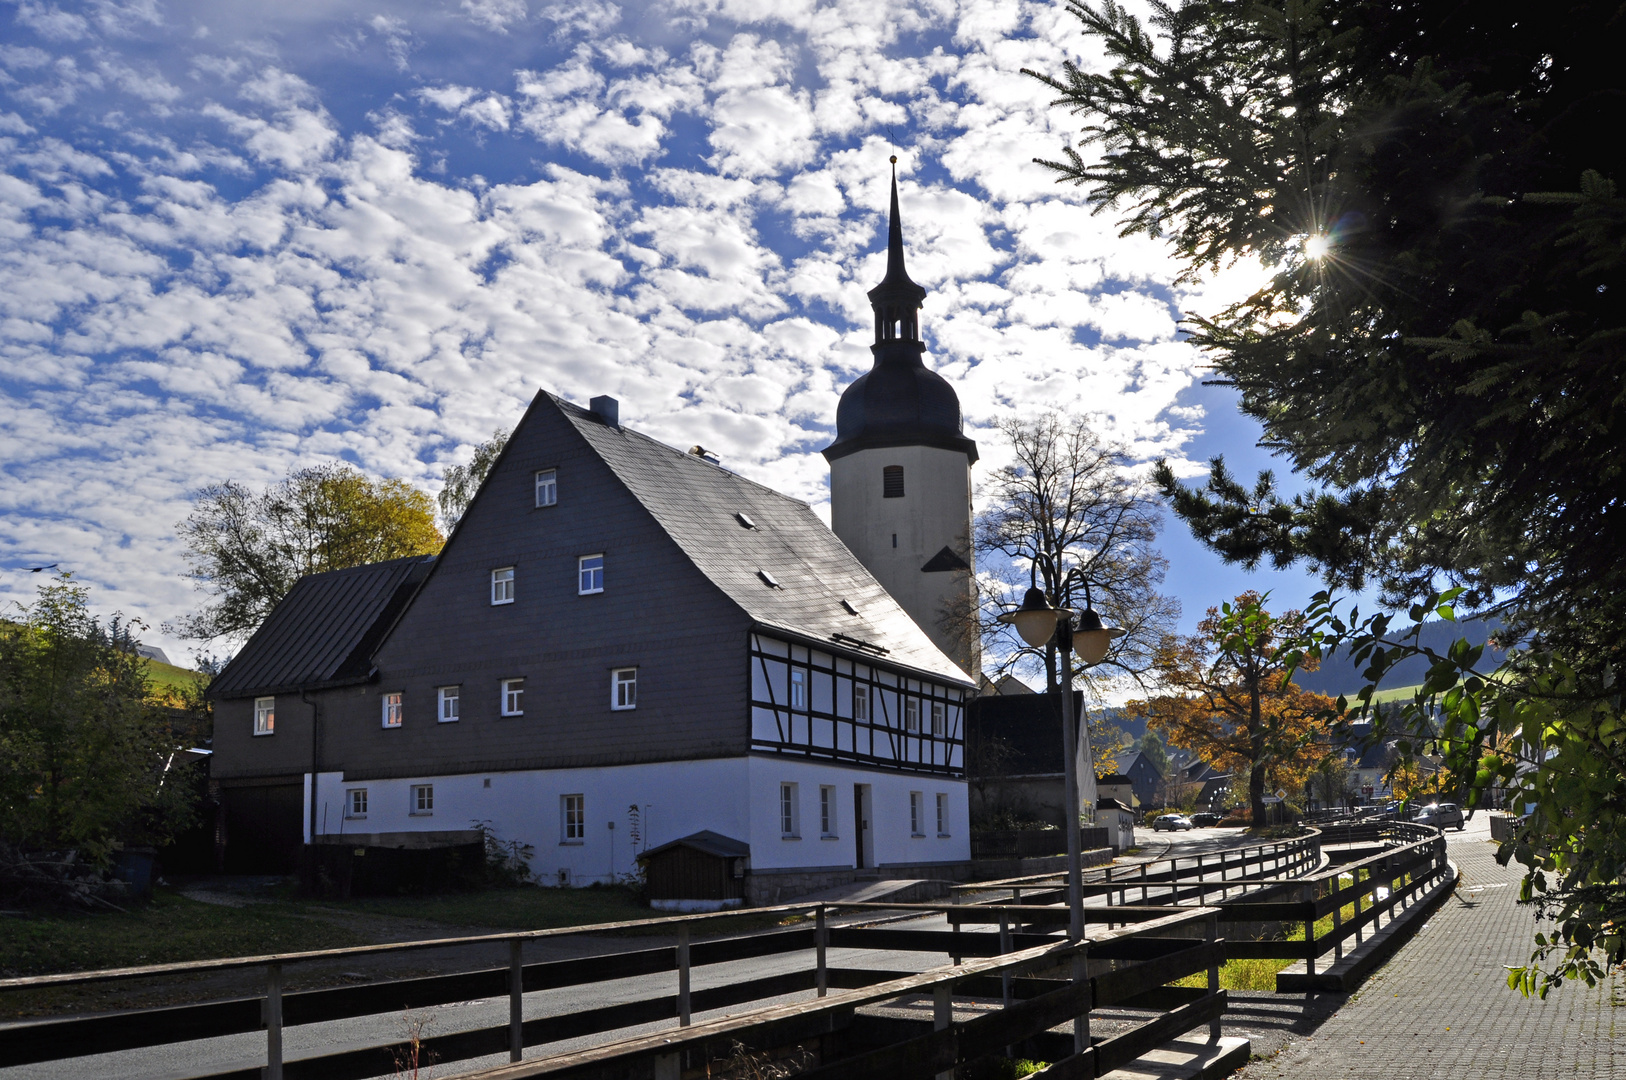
237	238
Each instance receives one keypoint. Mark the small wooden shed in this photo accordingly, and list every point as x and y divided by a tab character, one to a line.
702	872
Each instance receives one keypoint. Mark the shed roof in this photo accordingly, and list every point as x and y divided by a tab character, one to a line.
788	572
712	843
324	631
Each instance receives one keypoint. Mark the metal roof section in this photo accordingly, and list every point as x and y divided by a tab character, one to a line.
324	631
825	593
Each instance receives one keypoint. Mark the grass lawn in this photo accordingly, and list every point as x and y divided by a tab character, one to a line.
173	928
523	908
531	908
170	929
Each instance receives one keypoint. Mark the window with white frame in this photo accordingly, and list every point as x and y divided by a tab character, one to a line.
827	811
448	697
547	487
355	803
265	715
798	688
423	799
392	709
911	714
513	694
860	701
590	574
939	716
572	819
917	813
790	825
942	814
502	586
624	688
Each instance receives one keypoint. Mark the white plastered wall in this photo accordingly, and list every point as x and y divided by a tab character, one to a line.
934	513
737	797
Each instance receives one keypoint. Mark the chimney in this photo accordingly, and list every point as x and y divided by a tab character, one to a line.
607	408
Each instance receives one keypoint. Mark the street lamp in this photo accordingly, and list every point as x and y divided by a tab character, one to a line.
1037	622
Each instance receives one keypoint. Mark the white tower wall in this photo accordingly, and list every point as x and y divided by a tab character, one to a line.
895	537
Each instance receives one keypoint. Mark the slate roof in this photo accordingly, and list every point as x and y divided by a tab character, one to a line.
696	503
324	631
712	843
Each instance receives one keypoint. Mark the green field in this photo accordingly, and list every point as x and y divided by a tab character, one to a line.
169	677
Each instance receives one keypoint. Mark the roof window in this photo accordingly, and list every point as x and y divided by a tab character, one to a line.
769	580
745	520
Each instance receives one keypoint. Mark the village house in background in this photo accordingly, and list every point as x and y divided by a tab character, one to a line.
623	645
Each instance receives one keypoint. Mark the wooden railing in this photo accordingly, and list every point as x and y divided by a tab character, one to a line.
53	1040
1381	886
1134	949
1191	878
1033	1004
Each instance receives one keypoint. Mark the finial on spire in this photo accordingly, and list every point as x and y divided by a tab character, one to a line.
896	299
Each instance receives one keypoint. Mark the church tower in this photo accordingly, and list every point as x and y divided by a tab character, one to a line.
900	470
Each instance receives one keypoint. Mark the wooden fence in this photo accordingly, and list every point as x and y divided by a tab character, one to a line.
1133	950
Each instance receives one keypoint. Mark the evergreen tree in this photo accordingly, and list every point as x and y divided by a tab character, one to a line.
1441	343
1432	187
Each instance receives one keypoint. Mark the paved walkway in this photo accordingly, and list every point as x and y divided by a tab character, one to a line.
1441	1006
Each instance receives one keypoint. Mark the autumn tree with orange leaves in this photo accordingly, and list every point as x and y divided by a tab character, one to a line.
1229	697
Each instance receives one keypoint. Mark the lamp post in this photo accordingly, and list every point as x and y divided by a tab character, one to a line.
1037	622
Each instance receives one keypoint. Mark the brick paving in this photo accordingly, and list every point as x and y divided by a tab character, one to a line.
1441	1006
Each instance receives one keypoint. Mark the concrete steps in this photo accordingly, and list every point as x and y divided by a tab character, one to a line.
1188	1058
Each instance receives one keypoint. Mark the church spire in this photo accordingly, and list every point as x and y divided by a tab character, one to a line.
897	298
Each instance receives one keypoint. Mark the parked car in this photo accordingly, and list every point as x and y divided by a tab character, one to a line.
1172	822
1441	816
1205	820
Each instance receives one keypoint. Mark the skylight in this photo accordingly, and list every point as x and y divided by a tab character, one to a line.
745	520
768	579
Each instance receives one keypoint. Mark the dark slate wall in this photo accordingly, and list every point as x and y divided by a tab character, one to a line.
658	613
238	752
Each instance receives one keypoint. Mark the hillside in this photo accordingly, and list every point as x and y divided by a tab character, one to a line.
1339	675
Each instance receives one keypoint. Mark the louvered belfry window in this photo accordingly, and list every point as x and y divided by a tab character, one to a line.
892	482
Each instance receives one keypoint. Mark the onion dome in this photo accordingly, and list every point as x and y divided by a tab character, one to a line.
899	401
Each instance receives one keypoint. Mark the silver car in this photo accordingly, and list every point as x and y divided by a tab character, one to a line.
1172	822
1441	816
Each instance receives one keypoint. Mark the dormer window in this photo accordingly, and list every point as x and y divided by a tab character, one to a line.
892	482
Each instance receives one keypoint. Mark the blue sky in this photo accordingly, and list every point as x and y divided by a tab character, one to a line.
239	238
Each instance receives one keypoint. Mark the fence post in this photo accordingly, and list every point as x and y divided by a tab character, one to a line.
943	1016
821	943
1143	882
1081	1024
1004	948
683	974
1213	975
1337	920
1309	929
516	999
271	1009
1358	894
